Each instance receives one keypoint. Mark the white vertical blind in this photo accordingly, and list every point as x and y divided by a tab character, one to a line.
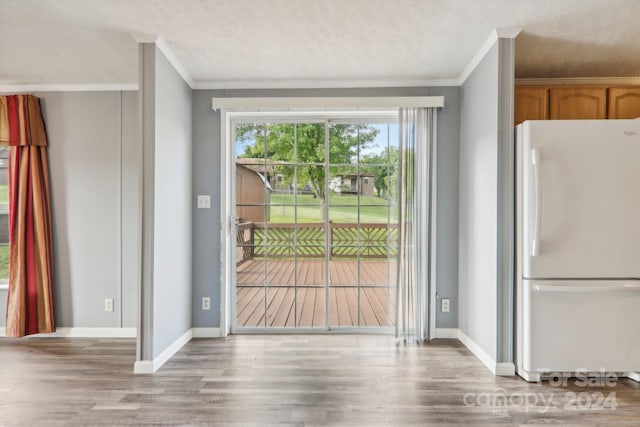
415	207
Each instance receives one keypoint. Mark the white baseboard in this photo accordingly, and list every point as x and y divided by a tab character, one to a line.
634	376
206	332
499	369
477	351
505	369
150	366
143	367
446	333
84	332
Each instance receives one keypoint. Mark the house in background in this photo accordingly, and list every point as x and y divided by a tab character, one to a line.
356	184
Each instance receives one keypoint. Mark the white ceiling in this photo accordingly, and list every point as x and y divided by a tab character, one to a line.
244	43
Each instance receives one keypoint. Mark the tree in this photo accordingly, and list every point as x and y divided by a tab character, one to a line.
384	170
274	142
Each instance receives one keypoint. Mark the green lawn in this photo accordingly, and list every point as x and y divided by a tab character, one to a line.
341	209
4	193
4	261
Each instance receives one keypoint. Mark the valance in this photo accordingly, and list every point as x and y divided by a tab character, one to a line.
326	103
21	121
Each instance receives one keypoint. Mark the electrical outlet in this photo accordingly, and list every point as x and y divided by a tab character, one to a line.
206	303
445	305
204	201
108	304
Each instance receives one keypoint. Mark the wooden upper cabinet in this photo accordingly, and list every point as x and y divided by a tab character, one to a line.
624	102
571	103
530	103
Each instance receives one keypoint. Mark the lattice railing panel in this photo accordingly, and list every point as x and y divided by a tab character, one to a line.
280	240
308	240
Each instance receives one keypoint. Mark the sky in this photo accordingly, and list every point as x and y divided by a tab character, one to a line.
379	144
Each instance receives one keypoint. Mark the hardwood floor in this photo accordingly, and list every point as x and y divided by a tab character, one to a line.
373	305
294	380
311	272
304	307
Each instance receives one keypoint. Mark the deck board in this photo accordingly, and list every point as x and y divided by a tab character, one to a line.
303	305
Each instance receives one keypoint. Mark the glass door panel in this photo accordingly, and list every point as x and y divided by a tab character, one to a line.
359	214
316	233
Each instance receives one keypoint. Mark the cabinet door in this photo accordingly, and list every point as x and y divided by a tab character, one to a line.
578	103
624	102
530	103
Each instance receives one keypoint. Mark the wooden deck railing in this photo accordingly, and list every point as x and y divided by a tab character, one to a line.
244	243
307	240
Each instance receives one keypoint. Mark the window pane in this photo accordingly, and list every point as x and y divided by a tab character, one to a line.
4	213
310	143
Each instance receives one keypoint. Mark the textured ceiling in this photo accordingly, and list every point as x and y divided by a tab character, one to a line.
231	41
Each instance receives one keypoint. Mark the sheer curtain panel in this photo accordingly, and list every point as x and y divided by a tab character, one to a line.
30	299
417	137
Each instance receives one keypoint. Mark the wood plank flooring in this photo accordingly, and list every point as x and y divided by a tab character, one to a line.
311	272
305	307
293	380
284	305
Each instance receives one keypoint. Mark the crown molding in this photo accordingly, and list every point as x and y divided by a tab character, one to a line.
68	87
609	81
164	47
498	33
144	37
507	33
173	59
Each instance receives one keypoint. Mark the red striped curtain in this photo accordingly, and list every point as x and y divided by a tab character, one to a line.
30	298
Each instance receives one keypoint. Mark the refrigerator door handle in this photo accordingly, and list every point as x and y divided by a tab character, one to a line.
587	288
535	165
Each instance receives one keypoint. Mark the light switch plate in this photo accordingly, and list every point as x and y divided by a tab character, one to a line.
204	201
445	305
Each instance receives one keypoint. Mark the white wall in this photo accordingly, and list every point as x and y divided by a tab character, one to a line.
486	248
94	165
478	203
172	206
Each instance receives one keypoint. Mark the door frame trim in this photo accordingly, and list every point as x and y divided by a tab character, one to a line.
227	201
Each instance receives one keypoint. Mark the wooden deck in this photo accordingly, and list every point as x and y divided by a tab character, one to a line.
295	295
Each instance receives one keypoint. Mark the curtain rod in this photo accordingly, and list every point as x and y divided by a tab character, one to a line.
293	103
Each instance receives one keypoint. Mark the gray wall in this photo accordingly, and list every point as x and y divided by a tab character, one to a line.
173	201
206	222
478	204
447	205
206	180
506	202
94	177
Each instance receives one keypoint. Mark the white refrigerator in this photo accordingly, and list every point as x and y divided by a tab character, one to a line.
578	247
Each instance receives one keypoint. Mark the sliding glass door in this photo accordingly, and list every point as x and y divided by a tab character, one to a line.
316	223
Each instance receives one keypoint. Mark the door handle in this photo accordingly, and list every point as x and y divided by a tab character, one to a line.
587	288
535	165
